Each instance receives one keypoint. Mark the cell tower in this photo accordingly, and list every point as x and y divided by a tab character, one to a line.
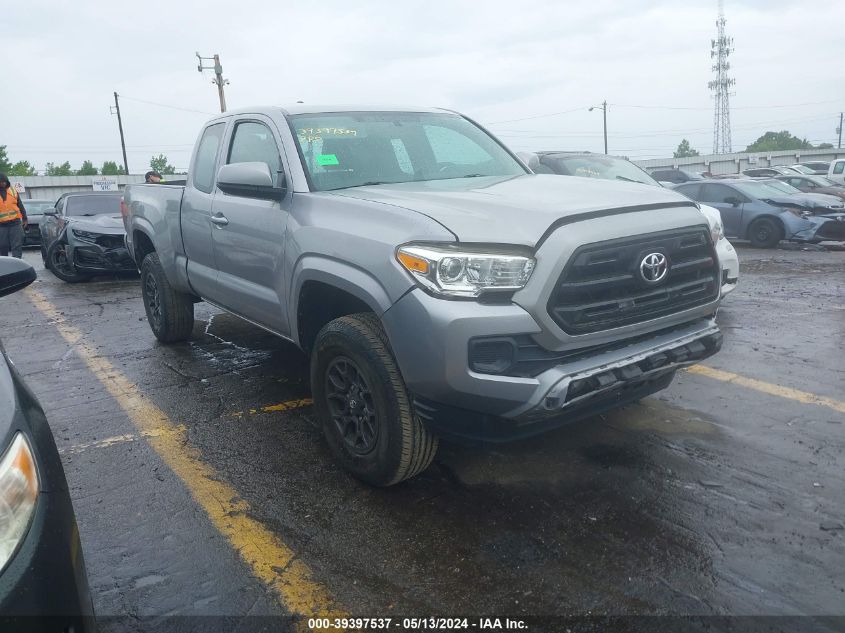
720	50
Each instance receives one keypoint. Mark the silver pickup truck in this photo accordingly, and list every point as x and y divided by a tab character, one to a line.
440	288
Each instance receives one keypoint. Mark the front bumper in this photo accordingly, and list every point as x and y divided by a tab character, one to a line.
46	578
820	228
90	257
430	339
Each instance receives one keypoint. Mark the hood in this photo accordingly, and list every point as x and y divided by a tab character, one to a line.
513	209
105	223
811	201
837	192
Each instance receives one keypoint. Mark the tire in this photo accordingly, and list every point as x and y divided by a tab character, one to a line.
765	233
352	367
170	313
57	263
43	253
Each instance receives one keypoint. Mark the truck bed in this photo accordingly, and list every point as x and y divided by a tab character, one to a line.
156	209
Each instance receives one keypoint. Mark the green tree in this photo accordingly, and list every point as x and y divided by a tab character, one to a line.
774	141
5	165
87	169
824	146
159	164
684	150
22	168
111	168
59	170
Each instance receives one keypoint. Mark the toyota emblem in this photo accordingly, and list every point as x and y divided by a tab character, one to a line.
654	267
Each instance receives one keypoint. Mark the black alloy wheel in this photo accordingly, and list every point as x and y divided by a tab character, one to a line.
60	265
153	301
351	405
764	233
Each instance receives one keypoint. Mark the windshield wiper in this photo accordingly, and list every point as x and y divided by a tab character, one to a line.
375	182
474	176
626	179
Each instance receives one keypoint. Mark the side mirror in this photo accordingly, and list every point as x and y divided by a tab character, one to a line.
15	274
733	201
50	212
250	180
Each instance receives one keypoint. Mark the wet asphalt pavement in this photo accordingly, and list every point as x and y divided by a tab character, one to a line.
710	498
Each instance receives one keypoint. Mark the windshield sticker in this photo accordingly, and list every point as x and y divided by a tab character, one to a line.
327	159
311	134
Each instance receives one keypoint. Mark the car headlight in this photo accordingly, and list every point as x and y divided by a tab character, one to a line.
717	232
86	236
801	213
18	494
460	272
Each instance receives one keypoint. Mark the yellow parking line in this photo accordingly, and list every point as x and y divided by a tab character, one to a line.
767	387
288	405
270	560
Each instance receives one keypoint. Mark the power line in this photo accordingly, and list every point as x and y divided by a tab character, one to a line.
164	105
539	116
647	133
757	107
667	107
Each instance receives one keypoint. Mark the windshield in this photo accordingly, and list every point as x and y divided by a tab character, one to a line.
37	206
352	149
92	205
765	188
801	169
783	186
606	167
821	181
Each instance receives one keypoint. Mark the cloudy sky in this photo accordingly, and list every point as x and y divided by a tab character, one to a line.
506	64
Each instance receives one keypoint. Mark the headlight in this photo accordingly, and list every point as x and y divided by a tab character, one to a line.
457	272
18	494
717	232
801	213
86	236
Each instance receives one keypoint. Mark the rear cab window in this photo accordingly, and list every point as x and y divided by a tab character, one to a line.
206	157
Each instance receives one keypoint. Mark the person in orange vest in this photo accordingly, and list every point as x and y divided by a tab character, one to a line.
12	219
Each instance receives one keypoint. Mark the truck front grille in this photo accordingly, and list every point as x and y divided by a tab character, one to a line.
601	286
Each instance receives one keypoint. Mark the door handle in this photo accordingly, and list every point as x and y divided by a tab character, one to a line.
219	220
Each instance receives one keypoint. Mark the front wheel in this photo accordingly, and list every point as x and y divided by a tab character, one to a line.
170	313
59	263
363	405
765	233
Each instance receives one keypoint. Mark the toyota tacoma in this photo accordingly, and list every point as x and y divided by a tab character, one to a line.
440	288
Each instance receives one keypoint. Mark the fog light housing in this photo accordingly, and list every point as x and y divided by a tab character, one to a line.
491	355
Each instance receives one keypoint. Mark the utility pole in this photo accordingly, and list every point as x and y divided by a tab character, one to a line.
120	127
604	117
840	130
218	76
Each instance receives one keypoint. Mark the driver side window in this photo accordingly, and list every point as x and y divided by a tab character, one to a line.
714	193
254	142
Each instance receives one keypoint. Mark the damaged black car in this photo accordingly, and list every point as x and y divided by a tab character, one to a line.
84	236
